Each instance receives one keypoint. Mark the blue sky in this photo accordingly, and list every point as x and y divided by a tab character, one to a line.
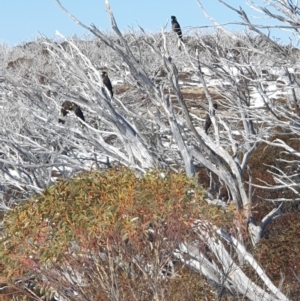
22	20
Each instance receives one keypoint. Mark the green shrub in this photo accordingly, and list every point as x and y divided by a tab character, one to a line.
104	221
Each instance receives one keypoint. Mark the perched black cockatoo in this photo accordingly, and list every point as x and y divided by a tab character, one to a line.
107	83
68	106
176	27
208	120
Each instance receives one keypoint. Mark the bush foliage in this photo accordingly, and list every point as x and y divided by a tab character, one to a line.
104	225
118	232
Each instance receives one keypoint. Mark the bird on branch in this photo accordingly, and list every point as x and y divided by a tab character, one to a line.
107	83
68	106
208	120
176	28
